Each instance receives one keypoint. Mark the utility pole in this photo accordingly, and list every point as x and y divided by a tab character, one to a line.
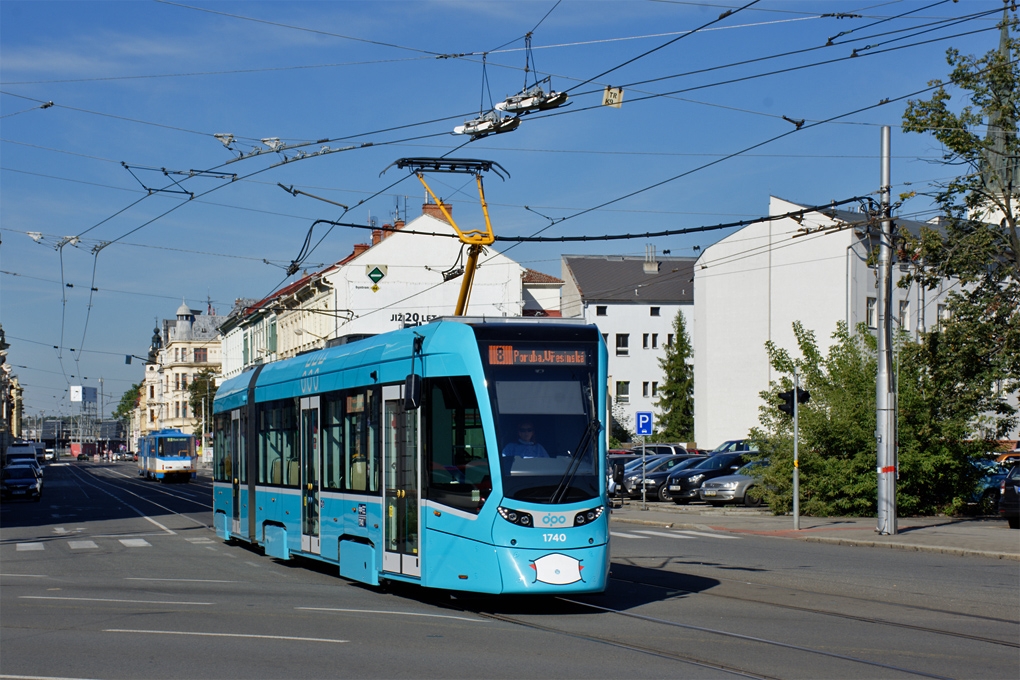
796	459
884	394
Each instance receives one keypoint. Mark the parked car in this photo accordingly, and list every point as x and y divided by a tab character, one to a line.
1009	498
20	481
50	454
1009	459
84	456
684	484
732	446
986	490
732	488
658	448
657	482
633	472
27	462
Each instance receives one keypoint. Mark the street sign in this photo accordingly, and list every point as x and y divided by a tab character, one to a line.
644	423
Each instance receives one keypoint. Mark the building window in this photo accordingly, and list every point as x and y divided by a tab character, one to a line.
177	381
654	311
600	310
177	354
152	415
655	388
622	344
871	315
655	341
622	392
177	409
152	391
184	409
669	340
644	341
201	355
644	389
184	381
904	316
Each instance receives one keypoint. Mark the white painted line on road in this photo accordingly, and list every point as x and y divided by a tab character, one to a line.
100	599
705	533
22	547
135	543
623	535
180	580
199	541
24	576
379	611
59	530
663	533
82	545
230	635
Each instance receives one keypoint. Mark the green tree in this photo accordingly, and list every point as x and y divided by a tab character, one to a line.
837	452
201	392
976	241
676	394
128	402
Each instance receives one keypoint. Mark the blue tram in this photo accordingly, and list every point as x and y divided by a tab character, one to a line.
464	454
166	455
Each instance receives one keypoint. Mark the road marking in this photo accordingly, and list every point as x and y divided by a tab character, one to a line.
704	533
621	534
663	533
199	541
59	530
30	546
100	599
135	543
24	576
232	635
379	611
82	545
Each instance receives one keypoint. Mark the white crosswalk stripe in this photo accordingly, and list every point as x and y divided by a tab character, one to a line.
708	535
134	542
680	534
30	546
621	534
82	545
665	535
199	541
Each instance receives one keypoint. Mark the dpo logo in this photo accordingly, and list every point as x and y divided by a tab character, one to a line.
550	520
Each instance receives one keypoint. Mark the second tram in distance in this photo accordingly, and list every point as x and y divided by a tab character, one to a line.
465	454
167	455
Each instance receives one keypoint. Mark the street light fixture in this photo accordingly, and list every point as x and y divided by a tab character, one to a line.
302	331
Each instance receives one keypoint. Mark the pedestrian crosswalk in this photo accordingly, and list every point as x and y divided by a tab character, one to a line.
80	544
679	534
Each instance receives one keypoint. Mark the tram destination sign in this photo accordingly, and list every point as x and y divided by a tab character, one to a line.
510	355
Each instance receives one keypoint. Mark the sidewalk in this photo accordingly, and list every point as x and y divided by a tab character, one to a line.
970	536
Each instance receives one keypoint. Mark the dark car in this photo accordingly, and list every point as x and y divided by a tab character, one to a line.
632	473
985	498
1009	498
657	481
683	485
733	446
84	456
20	481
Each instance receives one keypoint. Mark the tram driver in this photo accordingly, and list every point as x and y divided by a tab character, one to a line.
525	446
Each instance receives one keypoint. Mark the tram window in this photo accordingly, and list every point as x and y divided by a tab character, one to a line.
457	468
332	442
361	437
278	457
221	448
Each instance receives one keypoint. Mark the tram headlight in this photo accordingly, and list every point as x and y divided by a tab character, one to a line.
515	516
587	516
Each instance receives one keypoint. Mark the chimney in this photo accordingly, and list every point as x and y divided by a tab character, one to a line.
377	236
359	248
432	210
398	224
651	266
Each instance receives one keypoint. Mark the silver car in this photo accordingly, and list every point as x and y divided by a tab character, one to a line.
732	488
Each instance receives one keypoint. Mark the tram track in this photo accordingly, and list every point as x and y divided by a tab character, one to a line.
841	615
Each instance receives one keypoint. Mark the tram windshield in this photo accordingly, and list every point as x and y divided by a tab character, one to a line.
545	424
176	446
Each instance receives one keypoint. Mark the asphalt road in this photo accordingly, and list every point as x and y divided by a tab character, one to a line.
113	577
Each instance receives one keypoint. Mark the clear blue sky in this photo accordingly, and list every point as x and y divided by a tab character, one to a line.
149	83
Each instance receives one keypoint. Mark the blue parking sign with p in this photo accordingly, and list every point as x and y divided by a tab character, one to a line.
644	423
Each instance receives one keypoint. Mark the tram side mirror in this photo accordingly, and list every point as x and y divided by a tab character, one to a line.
412	392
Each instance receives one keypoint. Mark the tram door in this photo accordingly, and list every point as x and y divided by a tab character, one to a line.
401	489
236	451
311	464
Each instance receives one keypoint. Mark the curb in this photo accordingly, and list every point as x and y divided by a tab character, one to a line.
853	543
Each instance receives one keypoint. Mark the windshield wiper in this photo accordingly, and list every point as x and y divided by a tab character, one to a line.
591	429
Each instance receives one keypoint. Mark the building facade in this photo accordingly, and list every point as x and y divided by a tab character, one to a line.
751	287
634	302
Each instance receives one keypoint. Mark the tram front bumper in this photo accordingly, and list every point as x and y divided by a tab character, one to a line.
553	570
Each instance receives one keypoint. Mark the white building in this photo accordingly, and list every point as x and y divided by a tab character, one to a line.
396	281
752	285
634	302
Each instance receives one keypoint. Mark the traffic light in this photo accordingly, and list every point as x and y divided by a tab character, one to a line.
787	405
803	396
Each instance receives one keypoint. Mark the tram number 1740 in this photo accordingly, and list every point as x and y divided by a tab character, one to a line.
555	538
